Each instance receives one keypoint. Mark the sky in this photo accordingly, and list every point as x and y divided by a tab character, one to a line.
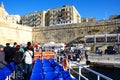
99	9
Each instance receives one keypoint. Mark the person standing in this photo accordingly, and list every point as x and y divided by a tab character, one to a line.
86	56
18	63
87	60
32	49
8	53
65	62
13	49
28	62
2	57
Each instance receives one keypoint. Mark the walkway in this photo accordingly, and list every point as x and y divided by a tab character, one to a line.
105	60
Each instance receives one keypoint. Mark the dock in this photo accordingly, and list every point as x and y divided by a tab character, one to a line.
109	60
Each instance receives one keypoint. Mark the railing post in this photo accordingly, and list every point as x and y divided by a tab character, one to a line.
59	58
98	77
80	72
69	66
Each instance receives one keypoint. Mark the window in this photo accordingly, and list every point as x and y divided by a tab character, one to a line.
63	10
112	39
90	40
100	39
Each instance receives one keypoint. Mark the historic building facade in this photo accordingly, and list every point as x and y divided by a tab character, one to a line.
4	16
11	31
57	16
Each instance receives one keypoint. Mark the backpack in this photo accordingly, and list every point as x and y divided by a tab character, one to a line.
18	57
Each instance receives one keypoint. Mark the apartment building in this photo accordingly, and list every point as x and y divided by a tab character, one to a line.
35	19
64	15
57	16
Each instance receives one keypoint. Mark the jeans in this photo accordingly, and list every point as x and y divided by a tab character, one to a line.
18	71
27	71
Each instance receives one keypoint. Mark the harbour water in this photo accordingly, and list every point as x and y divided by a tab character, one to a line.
109	72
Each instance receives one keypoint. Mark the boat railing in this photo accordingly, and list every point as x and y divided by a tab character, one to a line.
99	75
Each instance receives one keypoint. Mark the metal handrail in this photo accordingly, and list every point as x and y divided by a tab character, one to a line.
99	75
78	74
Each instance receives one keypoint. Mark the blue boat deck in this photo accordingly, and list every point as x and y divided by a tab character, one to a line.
49	70
42	70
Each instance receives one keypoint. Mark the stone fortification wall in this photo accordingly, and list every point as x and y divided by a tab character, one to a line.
62	33
14	33
70	32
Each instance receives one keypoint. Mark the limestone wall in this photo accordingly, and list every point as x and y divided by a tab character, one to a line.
70	32
14	33
63	33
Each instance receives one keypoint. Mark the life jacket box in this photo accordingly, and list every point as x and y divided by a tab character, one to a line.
41	55
37	55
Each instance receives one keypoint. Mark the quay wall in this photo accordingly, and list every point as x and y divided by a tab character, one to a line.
111	61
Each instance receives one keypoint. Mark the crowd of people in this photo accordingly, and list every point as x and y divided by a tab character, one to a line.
21	56
76	55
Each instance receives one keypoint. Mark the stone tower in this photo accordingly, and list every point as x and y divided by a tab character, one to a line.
2	5
2	10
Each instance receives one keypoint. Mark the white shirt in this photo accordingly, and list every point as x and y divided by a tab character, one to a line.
28	56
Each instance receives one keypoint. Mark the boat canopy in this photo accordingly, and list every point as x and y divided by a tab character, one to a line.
53	46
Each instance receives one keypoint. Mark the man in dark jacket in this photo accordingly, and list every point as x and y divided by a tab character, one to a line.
8	53
18	63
